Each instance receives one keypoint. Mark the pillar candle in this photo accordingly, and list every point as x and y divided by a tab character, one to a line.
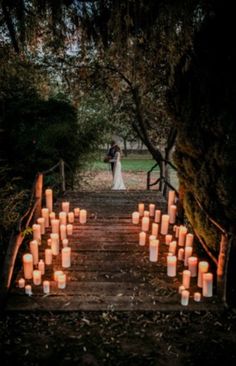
55	243
45	214
185	297
168	239
172	247
65	206
164	224
177	231
171	265
83	217
189	240
141	209
153	250
142	238
21	283
49	199
41	222
145	223
52	216
76	211
28	290
34	250
187	253
155	228
171	198
61	281
151	210
157	217
152	237
63	234
146	213
192	265
186	278
57	274
203	267
41	266
49	242
65	243
28	265
36	233
207	284
197	296
46	287
66	257
181	254
55	226
181	288
37	276
135	217
69	229
71	217
63	218
173	210
182	235
48	256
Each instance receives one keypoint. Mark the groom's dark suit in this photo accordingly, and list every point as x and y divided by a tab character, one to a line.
111	153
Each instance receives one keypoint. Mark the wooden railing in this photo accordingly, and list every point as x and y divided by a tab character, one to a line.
33	212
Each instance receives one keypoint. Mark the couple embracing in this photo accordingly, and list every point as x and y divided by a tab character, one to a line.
113	157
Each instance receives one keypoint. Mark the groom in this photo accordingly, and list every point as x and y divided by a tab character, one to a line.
111	155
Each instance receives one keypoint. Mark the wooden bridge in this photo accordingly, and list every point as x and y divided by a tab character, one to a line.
110	271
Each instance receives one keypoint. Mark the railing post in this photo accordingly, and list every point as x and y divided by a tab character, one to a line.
38	195
222	267
62	174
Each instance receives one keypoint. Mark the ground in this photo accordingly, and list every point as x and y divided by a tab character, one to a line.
118	338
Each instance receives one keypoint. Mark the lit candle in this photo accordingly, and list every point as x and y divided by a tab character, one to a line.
69	229
145	223
171	265
141	209
41	222
52	216
48	256
55	243
71	217
83	217
142	238
151	210
28	265
55	226
172	247
46	287
168	239
63	218
66	257
182	235
181	288
65	243
155	228
192	266
152	237
62	231
157	217
185	297
153	250
181	254
164	224
173	210
49	200
65	206
76	211
41	266
197	296
37	277
36	232
21	283
186	278
177	231
189	240
57	274
45	214
171	198
61	281
187	253
207	284
28	290
49	242
203	267
146	213
135	217
34	250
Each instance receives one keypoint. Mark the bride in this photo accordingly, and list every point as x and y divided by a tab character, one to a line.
118	183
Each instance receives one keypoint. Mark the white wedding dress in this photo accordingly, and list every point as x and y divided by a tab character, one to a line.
118	183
